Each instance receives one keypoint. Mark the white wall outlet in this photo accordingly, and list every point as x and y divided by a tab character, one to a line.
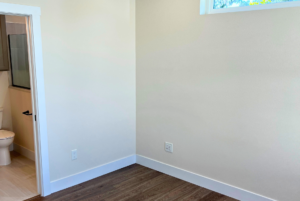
74	154
169	147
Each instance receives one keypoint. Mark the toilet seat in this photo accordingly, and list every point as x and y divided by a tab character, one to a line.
6	135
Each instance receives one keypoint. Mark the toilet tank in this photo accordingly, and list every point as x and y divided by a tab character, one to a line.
1	115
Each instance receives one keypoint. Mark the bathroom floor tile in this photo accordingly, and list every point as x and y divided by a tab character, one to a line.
18	180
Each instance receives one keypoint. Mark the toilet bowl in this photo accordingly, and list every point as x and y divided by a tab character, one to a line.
6	139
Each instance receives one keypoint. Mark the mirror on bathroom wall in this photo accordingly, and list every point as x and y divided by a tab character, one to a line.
4	63
18	51
19	60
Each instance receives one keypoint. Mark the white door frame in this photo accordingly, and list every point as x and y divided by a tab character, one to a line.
37	90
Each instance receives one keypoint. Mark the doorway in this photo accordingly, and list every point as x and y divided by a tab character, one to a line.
37	93
18	178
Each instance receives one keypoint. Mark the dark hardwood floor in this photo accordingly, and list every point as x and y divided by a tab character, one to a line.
135	183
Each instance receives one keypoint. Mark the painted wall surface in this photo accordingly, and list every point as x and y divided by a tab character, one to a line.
22	125
89	67
5	101
224	89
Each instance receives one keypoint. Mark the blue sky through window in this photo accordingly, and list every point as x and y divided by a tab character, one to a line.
218	4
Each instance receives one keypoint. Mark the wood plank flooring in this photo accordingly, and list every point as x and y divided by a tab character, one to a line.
135	182
18	180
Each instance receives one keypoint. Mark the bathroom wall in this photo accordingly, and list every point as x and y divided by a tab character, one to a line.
15	24
15	19
20	100
5	100
89	66
4	82
224	88
22	124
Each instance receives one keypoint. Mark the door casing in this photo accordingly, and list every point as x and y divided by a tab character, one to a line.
37	90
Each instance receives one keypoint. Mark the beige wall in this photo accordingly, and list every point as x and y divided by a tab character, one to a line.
5	101
224	89
22	125
89	66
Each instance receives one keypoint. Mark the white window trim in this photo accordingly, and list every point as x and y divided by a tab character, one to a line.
206	7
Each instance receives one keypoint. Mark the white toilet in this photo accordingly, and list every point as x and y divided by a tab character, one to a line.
6	139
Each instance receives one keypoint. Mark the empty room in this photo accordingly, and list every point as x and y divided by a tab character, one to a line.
194	100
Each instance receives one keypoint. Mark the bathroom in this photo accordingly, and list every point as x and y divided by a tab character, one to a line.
17	142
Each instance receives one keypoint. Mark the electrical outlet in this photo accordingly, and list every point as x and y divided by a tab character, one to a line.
169	147
74	154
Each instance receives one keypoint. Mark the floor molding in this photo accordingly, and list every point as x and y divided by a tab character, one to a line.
24	151
202	181
73	180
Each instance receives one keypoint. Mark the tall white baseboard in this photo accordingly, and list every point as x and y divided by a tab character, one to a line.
24	151
202	181
73	180
196	179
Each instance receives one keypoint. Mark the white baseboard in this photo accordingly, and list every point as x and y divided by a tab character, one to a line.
73	180
24	151
202	181
196	179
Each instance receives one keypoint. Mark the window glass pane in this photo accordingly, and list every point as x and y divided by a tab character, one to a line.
238	3
19	60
